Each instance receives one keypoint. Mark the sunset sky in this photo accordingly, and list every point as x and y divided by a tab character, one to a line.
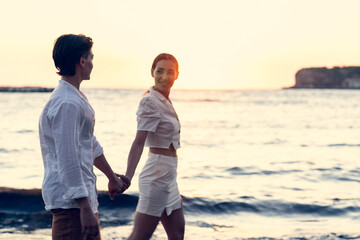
228	44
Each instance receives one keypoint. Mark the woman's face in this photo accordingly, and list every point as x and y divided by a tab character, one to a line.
165	74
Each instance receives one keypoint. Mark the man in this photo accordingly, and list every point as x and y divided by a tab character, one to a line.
69	148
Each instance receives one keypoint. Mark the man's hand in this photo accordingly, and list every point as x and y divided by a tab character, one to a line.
115	186
89	222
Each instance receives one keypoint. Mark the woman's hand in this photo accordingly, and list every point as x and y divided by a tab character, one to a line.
115	186
126	181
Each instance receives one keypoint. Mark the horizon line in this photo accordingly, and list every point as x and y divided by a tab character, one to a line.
144	88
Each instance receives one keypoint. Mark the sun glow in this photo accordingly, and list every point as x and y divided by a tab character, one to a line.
234	44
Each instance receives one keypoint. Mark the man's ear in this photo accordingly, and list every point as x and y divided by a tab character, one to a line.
82	61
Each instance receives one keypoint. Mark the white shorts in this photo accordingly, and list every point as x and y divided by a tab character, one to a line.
158	186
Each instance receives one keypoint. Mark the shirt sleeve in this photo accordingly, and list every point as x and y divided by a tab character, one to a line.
65	127
148	116
97	148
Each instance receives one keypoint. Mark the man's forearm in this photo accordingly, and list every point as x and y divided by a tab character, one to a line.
102	164
83	203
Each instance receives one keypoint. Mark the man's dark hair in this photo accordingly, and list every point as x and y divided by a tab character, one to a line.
68	49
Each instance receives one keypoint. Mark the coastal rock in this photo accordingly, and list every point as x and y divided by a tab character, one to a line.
25	89
337	77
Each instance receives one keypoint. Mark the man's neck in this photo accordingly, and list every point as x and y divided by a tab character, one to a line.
73	80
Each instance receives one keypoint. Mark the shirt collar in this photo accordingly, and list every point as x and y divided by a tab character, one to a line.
73	88
152	91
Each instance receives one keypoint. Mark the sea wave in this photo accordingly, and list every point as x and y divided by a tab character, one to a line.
264	207
20	150
342	145
3	150
24	209
243	171
25	131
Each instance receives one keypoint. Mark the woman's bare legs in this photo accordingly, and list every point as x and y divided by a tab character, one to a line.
144	226
174	224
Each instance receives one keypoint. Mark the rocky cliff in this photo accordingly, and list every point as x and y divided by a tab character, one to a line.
337	77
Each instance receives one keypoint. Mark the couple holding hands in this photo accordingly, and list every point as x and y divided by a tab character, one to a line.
70	150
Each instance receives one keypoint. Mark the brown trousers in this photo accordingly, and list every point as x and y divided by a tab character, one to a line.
66	225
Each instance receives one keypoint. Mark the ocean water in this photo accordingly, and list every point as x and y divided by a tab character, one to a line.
275	164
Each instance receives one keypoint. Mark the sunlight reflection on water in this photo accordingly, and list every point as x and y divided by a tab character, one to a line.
292	146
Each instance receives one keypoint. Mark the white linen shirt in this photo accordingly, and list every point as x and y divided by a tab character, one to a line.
157	115
68	149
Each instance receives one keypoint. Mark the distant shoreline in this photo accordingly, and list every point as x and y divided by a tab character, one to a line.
26	89
347	77
318	88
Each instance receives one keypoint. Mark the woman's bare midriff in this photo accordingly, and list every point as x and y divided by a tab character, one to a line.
171	152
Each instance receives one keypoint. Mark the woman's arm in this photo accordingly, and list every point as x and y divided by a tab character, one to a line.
135	153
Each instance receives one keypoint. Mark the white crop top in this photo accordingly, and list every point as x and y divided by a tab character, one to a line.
157	115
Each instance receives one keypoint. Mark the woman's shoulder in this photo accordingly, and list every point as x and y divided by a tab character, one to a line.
148	99
148	106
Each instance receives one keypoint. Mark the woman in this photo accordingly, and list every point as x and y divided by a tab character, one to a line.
158	128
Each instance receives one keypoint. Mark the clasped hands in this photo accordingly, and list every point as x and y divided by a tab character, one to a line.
118	185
